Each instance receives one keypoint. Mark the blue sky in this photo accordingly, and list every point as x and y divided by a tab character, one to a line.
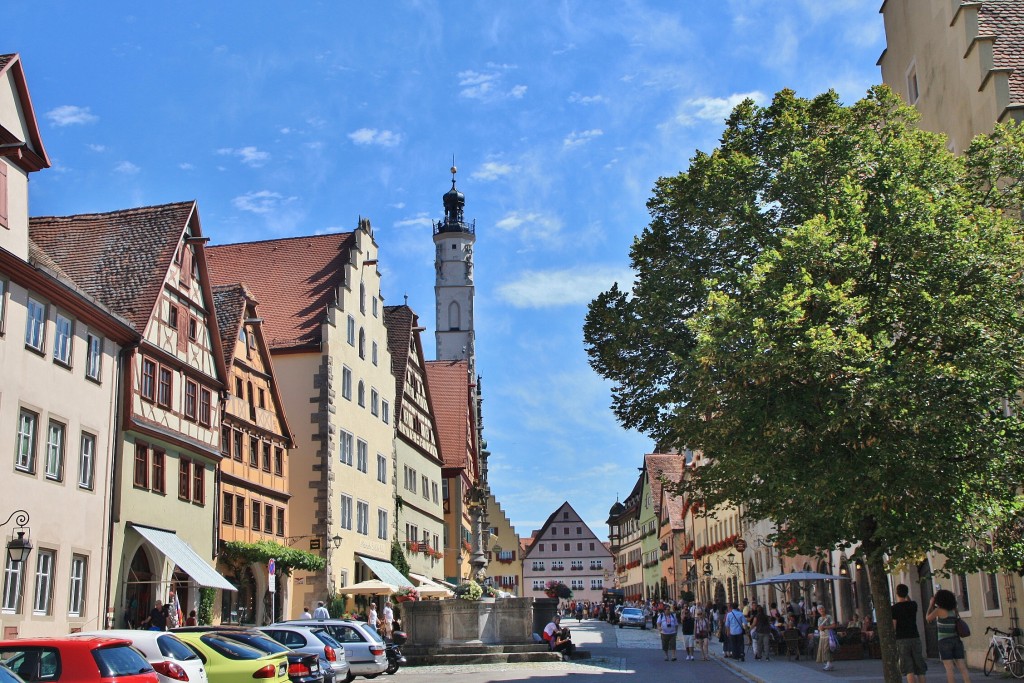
296	118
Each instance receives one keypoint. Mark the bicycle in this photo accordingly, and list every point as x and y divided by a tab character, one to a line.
1002	648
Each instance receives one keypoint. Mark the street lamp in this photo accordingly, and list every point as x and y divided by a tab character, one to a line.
18	548
335	541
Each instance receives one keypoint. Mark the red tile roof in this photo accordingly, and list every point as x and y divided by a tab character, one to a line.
295	280
229	301
662	466
399	321
1005	20
119	258
453	411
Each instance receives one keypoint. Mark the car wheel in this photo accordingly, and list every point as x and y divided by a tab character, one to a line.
620	625
643	628
371	675
350	677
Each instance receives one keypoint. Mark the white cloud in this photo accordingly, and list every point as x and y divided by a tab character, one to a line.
568	287
517	92
97	148
577	98
127	168
185	166
262	202
715	109
487	86
420	221
579	138
70	115
250	156
492	170
372	136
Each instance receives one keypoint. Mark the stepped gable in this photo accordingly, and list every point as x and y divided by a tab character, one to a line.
119	258
1004	19
399	322
295	280
229	302
448	381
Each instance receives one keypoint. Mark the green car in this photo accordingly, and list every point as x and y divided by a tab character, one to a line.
229	661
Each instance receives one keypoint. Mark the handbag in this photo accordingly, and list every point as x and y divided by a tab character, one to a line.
962	629
833	640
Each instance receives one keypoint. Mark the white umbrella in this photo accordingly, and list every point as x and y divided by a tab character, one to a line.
370	587
794	577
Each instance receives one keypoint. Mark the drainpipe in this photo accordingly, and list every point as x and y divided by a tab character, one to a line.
116	453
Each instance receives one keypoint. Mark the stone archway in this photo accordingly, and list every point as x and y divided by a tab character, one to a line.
140	589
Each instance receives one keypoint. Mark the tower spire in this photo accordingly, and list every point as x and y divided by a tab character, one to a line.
454	290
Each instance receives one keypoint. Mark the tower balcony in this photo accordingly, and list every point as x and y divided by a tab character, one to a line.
441	227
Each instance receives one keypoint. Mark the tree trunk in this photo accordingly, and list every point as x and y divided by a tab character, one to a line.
883	613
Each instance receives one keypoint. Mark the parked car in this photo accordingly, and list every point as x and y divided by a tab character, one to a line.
303	667
172	659
76	660
228	660
364	647
8	676
314	640
632	616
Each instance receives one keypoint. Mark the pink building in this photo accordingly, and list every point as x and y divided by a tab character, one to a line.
566	550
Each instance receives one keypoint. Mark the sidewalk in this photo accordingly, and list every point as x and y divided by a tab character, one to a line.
858	670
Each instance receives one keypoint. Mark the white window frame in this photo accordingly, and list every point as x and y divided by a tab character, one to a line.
94	357
362	455
538	584
64	332
433	491
913	83
25	452
373	350
350	331
362	518
538	565
76	587
3	304
596	584
385	412
42	596
382	524
346	383
374	402
56	436
35	324
425	486
86	461
382	468
361	394
345	449
14	586
345	518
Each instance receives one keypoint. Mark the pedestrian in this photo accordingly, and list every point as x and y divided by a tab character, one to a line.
191	620
668	626
371	618
763	629
388	620
688	623
157	619
908	639
306	614
825	626
321	611
701	633
942	610
736	627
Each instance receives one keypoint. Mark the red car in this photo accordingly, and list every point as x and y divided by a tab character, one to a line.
76	660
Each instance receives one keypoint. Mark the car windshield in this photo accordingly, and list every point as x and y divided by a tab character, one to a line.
232	649
373	632
631	612
174	648
120	660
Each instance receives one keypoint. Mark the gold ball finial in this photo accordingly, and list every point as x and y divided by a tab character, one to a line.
454	170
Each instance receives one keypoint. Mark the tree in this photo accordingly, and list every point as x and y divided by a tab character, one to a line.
828	307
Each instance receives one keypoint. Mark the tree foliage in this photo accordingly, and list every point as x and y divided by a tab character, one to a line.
398	559
286	559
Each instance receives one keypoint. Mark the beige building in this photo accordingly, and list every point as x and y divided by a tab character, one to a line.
505	556
566	550
59	358
255	442
324	323
418	482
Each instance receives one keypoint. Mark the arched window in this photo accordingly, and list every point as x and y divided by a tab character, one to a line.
453	316
362	343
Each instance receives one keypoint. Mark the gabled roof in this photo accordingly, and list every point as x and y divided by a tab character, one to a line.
295	280
1004	19
554	517
661	466
30	156
402	325
119	258
453	410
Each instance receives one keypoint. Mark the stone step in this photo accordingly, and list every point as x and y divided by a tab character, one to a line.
473	649
490	658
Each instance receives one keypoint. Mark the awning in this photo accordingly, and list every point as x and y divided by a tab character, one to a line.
429	588
181	554
385	571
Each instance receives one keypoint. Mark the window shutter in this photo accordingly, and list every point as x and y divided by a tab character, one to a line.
182	331
3	194
186	264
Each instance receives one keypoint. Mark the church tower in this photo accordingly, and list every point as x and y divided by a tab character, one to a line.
453	282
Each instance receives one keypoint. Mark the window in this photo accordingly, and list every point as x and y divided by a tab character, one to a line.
239	511
596	584
361	397
362	343
254	452
193	329
62	340
239	392
163	392
141	478
13	575
361	456
42	602
385	412
76	592
157	468
225	442
412	533
25	457
346	447
374	301
567	547
256	515
362	298
558	565
382	468
554	531
350	331
425	486
278	461
433	491
538	566
541	547
363	518
591	546
191	390
86	460
266	456
237	438
374	402
576	584
579	530
148	379
268	518
382	524
565	515
3	283
913	90
280	521
198	484
579	546
172	316
346	384
346	512
184	477
263	397
373	351
229	508
576	565
960	588
538	584
410	478
35	324
990	585
94	359
205	400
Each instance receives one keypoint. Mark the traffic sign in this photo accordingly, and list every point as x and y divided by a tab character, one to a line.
740	545
271	566
273	583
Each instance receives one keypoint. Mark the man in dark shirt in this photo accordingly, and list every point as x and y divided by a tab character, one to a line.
157	618
908	639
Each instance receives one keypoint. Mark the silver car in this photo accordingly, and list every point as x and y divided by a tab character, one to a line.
364	648
313	640
633	616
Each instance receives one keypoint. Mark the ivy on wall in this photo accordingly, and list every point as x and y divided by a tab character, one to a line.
287	559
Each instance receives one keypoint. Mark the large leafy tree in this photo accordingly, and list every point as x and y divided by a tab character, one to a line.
828	306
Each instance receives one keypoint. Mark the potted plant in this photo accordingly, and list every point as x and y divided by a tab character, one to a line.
557	589
471	590
407	594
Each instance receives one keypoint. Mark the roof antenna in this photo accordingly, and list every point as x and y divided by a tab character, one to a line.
406	299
